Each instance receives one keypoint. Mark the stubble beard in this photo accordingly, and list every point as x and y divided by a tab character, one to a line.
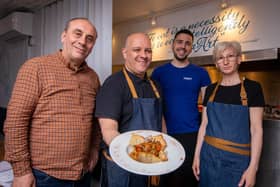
180	59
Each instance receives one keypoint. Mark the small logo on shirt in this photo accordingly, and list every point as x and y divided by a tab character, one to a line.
188	78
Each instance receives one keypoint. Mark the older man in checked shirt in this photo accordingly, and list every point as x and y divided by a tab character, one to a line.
50	135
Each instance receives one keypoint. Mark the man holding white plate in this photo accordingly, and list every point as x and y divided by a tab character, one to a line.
128	100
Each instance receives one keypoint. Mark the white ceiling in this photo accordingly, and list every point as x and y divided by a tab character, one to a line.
123	10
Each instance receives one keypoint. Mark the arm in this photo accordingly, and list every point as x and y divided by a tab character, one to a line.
94	145
27	180
256	117
20	110
109	129
200	139
202	90
163	127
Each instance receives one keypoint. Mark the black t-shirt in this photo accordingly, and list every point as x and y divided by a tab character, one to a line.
114	99
231	94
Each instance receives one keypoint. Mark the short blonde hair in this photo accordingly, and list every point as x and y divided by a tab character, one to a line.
221	46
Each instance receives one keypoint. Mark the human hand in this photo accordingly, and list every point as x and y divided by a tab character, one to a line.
248	178
27	180
195	167
92	161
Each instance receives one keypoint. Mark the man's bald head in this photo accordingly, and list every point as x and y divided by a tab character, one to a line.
137	53
131	37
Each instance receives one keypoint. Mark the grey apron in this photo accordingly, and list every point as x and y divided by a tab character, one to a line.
147	113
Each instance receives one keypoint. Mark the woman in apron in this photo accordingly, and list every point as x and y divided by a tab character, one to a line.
230	136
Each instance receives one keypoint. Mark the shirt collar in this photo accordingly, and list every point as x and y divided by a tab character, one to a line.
137	79
83	66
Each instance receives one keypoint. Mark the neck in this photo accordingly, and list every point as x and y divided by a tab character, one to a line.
140	75
180	64
72	63
229	80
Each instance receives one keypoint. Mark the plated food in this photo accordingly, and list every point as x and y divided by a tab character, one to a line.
147	150
120	148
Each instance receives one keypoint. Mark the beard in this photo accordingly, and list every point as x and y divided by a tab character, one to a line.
180	59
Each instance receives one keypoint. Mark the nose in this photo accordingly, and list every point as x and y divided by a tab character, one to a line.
226	60
143	53
185	44
82	40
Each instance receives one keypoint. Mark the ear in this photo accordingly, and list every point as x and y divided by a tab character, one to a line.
124	53
62	37
216	65
239	60
172	45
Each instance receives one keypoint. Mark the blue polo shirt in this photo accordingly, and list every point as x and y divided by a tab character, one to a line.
180	89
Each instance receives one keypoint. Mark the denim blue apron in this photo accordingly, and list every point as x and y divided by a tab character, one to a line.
147	113
225	152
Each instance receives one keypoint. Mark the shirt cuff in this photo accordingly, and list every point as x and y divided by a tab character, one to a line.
21	168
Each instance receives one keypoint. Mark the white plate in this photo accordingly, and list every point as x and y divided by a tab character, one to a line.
175	154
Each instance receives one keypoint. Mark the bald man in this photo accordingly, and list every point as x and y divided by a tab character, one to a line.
119	111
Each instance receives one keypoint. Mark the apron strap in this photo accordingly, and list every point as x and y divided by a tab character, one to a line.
105	154
130	84
154	88
228	145
132	88
153	180
212	96
243	94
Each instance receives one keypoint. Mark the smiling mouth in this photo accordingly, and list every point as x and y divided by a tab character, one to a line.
181	52
227	68
80	50
142	62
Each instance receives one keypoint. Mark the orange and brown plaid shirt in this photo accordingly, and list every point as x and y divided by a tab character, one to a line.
49	122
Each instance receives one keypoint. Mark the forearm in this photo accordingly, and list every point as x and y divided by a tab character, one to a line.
199	142
17	142
109	129
96	136
20	110
256	147
256	130
110	135
163	128
201	133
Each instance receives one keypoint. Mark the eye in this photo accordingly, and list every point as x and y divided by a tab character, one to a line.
90	39
77	33
148	51
179	41
188	43
136	49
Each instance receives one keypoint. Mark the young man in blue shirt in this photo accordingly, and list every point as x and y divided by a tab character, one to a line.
181	83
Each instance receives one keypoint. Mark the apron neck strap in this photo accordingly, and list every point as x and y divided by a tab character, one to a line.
243	94
213	94
130	84
154	88
132	88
